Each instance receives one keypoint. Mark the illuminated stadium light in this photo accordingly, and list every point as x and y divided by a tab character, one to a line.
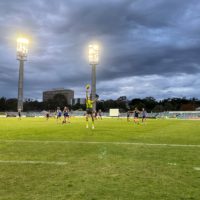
93	50
22	52
93	54
22	48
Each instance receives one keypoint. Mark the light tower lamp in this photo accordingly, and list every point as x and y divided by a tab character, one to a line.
93	61
22	52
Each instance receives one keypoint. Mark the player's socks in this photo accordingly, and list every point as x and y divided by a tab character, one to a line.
86	124
92	125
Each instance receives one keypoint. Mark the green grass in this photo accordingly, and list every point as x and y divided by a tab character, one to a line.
97	171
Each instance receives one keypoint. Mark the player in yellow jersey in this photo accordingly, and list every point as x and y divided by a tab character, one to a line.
89	107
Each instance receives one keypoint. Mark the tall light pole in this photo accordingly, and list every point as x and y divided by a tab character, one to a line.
22	51
93	60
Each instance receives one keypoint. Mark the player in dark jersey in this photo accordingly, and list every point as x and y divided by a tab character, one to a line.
58	114
136	116
128	116
100	114
95	114
19	114
47	115
66	115
144	115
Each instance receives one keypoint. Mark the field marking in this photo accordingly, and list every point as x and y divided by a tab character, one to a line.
32	162
173	164
197	168
93	142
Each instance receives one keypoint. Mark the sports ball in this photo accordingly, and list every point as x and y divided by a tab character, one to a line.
87	86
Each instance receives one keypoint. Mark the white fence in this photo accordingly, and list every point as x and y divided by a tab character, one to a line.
170	114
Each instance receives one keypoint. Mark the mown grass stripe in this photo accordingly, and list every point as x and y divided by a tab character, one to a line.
95	142
32	162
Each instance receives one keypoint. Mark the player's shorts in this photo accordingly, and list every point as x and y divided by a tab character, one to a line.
144	116
66	115
89	111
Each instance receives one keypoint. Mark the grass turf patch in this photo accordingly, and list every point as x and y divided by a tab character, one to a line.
99	171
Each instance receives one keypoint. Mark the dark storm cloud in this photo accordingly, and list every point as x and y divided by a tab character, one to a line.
141	40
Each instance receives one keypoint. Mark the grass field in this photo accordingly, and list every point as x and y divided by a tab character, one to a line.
43	160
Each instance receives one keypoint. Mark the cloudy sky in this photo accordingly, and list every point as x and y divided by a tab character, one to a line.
148	47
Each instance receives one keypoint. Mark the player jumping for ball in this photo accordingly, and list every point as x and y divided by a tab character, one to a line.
89	107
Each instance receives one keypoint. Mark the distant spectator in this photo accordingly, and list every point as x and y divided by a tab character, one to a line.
19	114
144	115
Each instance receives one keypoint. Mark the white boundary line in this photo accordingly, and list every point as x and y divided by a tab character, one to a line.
88	142
32	162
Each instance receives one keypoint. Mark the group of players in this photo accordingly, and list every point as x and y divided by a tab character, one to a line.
136	114
91	113
65	113
59	113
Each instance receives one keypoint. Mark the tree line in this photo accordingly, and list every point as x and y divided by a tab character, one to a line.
149	103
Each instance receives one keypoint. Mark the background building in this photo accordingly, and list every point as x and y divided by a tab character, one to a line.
59	93
80	101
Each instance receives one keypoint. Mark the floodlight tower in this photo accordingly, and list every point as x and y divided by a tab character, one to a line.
22	51
94	61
